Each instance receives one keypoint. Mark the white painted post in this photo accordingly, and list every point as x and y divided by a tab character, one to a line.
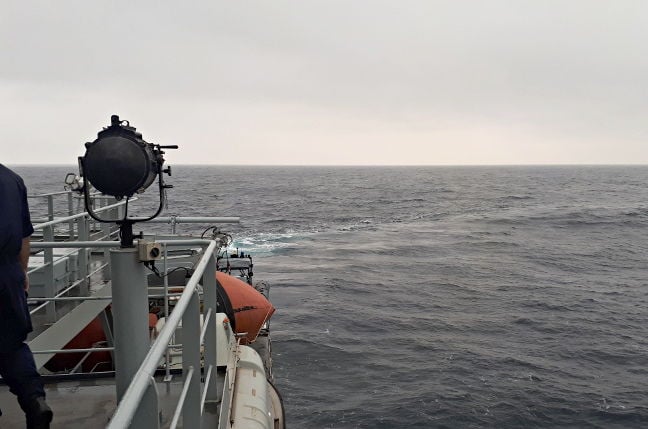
191	358
83	260
50	207
70	213
210	301
48	275
130	329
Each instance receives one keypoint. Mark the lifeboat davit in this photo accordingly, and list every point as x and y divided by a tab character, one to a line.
246	307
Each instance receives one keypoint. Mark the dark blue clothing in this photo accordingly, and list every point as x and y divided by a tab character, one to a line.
19	372
17	366
15	321
15	225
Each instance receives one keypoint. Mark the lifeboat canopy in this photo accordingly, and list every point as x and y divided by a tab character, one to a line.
246	308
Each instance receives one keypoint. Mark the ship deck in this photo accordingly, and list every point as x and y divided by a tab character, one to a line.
89	403
71	288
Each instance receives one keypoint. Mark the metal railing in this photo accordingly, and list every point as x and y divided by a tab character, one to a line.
77	226
55	208
50	204
140	399
188	310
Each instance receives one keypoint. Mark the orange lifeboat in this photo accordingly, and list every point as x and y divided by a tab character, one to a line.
243	304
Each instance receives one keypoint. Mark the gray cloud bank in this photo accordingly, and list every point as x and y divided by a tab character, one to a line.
330	82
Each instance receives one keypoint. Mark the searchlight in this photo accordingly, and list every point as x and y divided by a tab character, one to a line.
120	163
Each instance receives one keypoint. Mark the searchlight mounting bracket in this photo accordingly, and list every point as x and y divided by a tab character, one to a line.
120	163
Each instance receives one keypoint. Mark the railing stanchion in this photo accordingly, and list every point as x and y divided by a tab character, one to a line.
130	328
83	257
105	232
210	302
149	409
50	207
70	213
48	275
167	355
191	358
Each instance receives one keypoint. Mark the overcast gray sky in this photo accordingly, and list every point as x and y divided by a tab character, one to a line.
330	81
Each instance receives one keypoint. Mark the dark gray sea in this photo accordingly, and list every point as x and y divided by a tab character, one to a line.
442	297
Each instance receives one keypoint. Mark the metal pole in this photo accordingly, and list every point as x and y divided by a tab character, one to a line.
129	406
191	359
210	302
50	207
105	230
167	355
130	326
83	257
70	213
195	219
173	225
113	213
48	275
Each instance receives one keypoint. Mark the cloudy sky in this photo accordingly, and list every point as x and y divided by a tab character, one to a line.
330	81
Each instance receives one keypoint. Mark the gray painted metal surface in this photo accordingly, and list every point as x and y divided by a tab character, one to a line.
210	303
82	404
129	405
191	362
59	334
135	360
130	329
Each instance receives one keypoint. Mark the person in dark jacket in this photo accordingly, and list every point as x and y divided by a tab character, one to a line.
17	366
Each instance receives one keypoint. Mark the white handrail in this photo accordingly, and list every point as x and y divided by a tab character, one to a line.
183	396
135	392
76	216
196	219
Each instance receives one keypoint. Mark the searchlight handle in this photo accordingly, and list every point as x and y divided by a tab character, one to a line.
168	169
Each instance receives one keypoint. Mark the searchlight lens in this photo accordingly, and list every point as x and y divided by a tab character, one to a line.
120	162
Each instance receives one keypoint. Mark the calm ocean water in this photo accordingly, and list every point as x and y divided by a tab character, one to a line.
431	297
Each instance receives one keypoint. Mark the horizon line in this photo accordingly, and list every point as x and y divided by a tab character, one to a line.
364	165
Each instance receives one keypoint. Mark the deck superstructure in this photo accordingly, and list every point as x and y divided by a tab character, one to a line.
80	273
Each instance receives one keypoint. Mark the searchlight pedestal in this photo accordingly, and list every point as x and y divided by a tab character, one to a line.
120	163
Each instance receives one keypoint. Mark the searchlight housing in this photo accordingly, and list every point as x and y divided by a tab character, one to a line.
120	163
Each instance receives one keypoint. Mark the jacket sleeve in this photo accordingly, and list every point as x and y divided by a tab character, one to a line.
27	228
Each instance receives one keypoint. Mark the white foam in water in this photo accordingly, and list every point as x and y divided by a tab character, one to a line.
266	243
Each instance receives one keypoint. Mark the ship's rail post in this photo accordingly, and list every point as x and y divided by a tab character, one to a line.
91	222
173	222
191	362
167	355
82	224
106	231
48	274
228	393
210	302
187	309
50	207
130	331
70	204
